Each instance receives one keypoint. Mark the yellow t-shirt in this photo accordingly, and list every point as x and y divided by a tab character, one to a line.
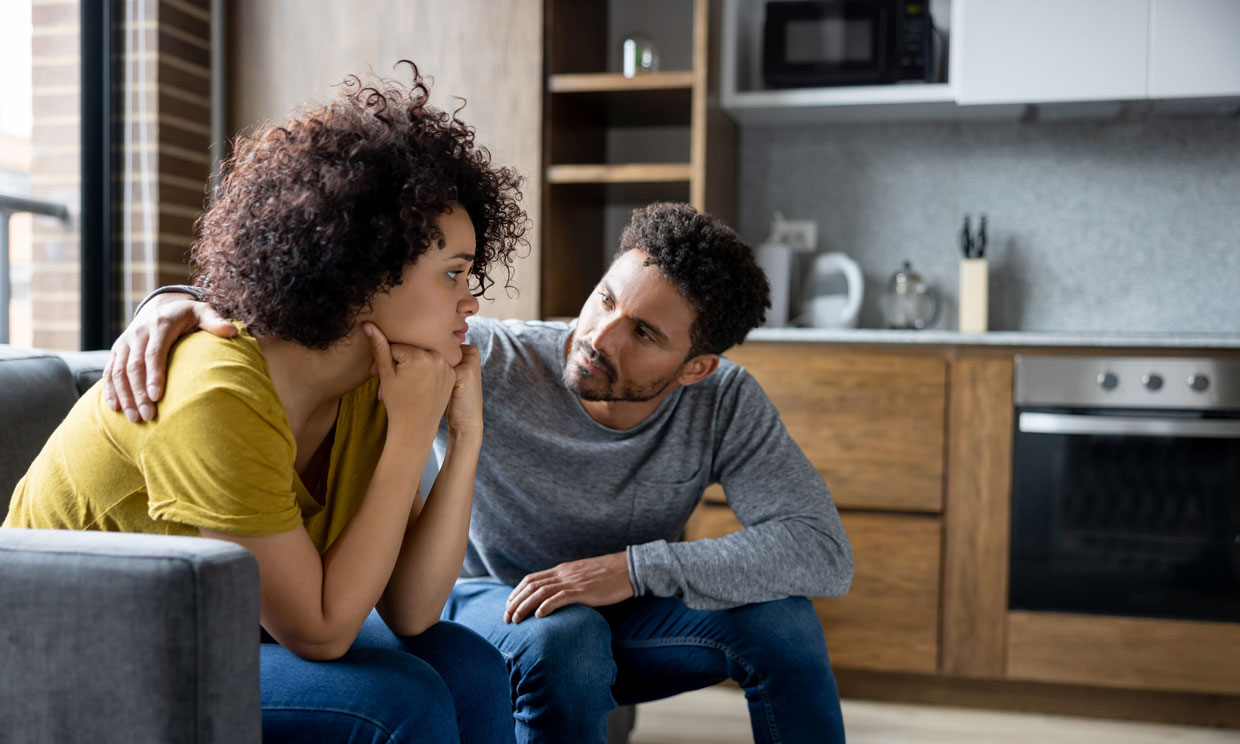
220	455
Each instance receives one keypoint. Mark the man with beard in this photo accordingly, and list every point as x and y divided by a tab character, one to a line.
601	436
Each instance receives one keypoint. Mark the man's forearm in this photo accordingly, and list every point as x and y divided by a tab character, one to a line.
184	289
765	562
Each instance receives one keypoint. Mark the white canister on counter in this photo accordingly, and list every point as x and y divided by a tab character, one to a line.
778	259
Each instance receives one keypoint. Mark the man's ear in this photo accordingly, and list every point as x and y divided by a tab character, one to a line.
697	369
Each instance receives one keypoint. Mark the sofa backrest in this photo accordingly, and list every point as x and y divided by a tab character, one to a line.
37	389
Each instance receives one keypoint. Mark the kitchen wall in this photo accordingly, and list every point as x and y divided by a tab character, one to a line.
285	53
1129	226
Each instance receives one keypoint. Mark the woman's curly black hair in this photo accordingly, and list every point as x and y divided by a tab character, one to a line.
711	266
312	219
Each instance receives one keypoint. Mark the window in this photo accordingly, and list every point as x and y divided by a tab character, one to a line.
39	171
103	125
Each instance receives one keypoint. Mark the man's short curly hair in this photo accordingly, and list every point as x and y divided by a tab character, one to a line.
312	219
711	266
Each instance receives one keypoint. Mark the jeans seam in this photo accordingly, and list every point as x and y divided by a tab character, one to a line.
349	713
708	643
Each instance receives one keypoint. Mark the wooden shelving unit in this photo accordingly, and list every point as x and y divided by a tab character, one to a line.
612	143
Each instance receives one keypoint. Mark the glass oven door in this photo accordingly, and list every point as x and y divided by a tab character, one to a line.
1126	513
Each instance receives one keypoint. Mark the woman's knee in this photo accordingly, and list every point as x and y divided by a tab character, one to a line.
374	694
466	661
409	695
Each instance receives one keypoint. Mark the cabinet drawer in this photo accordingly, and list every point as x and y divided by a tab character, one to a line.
1124	652
889	620
871	423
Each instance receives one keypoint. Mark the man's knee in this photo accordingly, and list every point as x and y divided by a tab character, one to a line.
784	634
570	650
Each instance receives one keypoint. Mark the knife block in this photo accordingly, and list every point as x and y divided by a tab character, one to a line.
974	291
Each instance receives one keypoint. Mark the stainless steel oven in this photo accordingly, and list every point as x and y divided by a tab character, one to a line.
1126	486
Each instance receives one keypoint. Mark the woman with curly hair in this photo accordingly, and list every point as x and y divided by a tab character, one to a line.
347	247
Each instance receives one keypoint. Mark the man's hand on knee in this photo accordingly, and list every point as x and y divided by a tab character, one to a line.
593	582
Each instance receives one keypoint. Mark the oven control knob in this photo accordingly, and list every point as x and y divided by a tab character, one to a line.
1199	382
1107	380
1152	381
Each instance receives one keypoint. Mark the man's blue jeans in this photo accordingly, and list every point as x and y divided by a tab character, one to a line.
570	669
445	685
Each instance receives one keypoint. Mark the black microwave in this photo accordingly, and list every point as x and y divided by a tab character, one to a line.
814	43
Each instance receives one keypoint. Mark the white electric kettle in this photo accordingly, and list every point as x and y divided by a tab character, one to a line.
826	307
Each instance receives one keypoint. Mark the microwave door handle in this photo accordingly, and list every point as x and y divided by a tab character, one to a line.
1071	423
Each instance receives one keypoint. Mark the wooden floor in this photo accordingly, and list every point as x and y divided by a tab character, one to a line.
718	715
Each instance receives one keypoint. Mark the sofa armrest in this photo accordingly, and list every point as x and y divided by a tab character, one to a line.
112	637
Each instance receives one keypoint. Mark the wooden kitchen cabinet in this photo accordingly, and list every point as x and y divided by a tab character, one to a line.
927	615
872	422
888	621
977	521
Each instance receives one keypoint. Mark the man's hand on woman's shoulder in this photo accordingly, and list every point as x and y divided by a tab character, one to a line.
133	379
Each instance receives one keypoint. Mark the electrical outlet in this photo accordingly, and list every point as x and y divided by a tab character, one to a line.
800	235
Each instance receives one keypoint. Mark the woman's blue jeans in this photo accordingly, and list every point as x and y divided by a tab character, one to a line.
570	669
445	685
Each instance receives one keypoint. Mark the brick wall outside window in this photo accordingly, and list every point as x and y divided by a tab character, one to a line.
162	114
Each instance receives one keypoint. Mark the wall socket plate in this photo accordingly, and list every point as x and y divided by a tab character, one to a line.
799	235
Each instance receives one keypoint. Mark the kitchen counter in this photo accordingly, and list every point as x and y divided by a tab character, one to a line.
1002	338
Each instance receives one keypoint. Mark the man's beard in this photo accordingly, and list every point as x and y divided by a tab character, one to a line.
588	386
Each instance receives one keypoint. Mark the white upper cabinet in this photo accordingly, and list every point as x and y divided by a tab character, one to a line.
1194	48
1017	51
1006	54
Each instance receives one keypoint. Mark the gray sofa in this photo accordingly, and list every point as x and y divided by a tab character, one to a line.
108	637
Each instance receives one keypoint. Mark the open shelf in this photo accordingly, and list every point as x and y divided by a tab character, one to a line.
613	143
623	106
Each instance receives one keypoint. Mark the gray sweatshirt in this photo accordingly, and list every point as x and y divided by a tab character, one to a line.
554	485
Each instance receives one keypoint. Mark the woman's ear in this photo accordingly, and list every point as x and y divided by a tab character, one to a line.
698	368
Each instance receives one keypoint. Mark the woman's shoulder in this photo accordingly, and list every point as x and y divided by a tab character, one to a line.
205	365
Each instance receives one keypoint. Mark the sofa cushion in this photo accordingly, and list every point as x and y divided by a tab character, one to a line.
37	389
86	366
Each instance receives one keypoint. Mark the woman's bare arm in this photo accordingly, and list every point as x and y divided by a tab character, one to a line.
315	606
435	539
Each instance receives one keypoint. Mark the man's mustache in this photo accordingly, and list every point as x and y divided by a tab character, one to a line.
596	358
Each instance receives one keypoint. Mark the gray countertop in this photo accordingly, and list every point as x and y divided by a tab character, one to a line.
1002	338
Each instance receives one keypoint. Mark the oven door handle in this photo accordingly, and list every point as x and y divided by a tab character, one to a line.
1071	423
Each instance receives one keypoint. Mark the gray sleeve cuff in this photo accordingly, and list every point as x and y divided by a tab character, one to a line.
182	288
637	588
654	570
